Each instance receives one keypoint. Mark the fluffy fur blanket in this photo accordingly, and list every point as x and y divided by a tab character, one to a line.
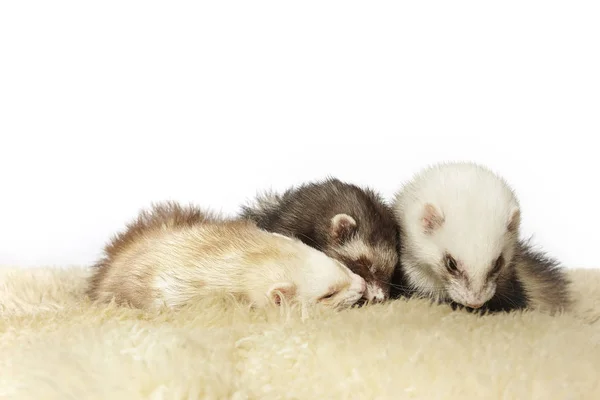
55	345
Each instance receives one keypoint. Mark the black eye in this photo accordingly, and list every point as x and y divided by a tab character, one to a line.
451	264
497	265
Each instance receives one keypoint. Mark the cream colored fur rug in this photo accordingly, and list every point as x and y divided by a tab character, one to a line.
55	345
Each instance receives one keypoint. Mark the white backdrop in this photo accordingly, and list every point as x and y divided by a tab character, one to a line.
109	106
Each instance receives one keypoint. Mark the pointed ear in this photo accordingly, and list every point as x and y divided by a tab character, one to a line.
514	220
342	226
432	219
282	292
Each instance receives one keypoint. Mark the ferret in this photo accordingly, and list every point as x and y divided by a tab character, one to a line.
460	225
351	224
172	254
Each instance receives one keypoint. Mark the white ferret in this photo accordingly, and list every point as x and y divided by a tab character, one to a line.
459	227
171	254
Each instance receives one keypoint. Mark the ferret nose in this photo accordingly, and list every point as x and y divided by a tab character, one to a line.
474	305
379	296
374	294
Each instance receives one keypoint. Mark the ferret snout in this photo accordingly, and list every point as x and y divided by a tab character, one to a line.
358	284
374	293
474	305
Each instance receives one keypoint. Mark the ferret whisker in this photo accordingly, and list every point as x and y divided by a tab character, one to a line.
302	235
410	288
507	298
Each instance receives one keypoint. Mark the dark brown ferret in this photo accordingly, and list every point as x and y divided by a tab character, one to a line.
349	223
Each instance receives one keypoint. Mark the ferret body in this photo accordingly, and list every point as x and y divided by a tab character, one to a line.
459	226
348	223
173	254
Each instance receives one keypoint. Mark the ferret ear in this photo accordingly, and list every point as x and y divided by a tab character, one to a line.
514	220
282	292
432	218
342	226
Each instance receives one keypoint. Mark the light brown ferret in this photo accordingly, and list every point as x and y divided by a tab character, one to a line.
171	254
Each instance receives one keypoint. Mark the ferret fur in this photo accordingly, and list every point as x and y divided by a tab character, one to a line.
171	254
466	213
346	222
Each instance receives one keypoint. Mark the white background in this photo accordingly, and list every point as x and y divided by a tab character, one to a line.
107	106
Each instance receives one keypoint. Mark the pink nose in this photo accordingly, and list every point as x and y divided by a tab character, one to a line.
474	305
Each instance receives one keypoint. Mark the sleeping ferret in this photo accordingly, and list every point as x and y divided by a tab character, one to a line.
171	254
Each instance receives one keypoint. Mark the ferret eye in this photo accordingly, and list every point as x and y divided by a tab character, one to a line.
363	262
451	264
497	265
328	296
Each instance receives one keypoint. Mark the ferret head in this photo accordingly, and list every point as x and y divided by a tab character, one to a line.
311	277
373	258
460	223
351	224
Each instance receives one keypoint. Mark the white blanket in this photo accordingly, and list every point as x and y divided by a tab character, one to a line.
56	345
